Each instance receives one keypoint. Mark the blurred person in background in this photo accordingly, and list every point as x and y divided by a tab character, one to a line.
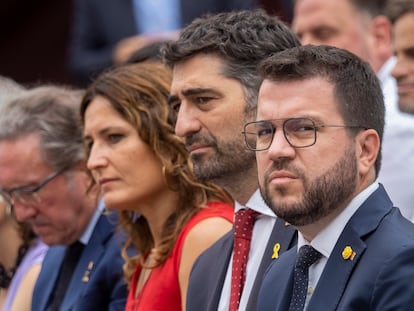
21	259
22	252
45	181
361	27
144	171
401	14
106	32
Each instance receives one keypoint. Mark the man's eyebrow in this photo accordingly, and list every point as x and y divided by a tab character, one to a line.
191	92
196	91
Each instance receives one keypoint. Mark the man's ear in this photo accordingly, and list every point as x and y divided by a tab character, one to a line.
367	150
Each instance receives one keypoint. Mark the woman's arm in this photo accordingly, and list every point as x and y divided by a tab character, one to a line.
199	238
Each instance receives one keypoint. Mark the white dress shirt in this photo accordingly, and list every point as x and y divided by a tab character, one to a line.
325	241
154	17
86	235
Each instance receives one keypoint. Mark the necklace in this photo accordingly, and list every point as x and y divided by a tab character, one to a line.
7	275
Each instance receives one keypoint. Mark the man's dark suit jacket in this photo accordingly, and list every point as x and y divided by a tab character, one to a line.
97	282
98	25
209	271
380	275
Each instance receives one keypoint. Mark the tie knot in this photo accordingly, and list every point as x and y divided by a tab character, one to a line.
243	223
307	256
73	251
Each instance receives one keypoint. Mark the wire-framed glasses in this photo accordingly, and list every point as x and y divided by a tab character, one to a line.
27	195
299	132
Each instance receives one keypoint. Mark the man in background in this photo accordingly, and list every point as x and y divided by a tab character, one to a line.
106	32
45	181
401	14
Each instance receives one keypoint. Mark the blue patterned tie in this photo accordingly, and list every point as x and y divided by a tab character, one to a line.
306	257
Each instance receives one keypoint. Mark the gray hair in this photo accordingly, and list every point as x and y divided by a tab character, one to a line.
9	89
53	113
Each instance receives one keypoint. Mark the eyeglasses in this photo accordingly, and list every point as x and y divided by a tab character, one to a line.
27	195
299	132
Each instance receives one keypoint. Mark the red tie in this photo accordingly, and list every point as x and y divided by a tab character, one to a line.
243	228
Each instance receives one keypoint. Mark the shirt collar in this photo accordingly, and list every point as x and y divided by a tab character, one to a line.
325	240
86	236
257	204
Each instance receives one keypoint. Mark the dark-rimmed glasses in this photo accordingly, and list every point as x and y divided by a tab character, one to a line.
299	132
27	195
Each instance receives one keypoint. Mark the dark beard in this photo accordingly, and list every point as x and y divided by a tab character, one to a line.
231	159
321	196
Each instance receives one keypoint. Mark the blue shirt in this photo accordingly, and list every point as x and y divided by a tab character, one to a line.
155	16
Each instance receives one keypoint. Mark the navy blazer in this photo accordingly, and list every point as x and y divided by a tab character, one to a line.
379	277
97	282
210	269
98	25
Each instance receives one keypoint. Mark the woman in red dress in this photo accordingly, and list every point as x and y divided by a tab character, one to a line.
144	171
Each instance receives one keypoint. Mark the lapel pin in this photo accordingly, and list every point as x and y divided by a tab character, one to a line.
85	277
348	253
90	265
276	249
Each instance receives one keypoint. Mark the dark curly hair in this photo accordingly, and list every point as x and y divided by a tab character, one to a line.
240	38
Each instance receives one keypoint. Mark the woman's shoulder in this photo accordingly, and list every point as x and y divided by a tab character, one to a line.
214	209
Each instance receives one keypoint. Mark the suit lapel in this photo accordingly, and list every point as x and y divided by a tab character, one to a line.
337	271
285	236
91	255
222	263
339	267
286	284
276	289
46	282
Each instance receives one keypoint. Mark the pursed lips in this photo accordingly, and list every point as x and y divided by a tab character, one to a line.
404	87
281	176
196	147
39	227
105	181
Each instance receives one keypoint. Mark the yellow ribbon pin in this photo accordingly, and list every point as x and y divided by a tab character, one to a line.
276	249
348	253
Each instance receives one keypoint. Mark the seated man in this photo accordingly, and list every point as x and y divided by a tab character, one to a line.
45	181
320	121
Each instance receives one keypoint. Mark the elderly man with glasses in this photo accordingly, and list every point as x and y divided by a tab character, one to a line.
45	183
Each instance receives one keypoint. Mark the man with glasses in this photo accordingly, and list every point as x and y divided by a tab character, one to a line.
361	27
45	182
320	121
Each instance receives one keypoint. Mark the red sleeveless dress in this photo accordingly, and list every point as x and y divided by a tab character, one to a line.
161	292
